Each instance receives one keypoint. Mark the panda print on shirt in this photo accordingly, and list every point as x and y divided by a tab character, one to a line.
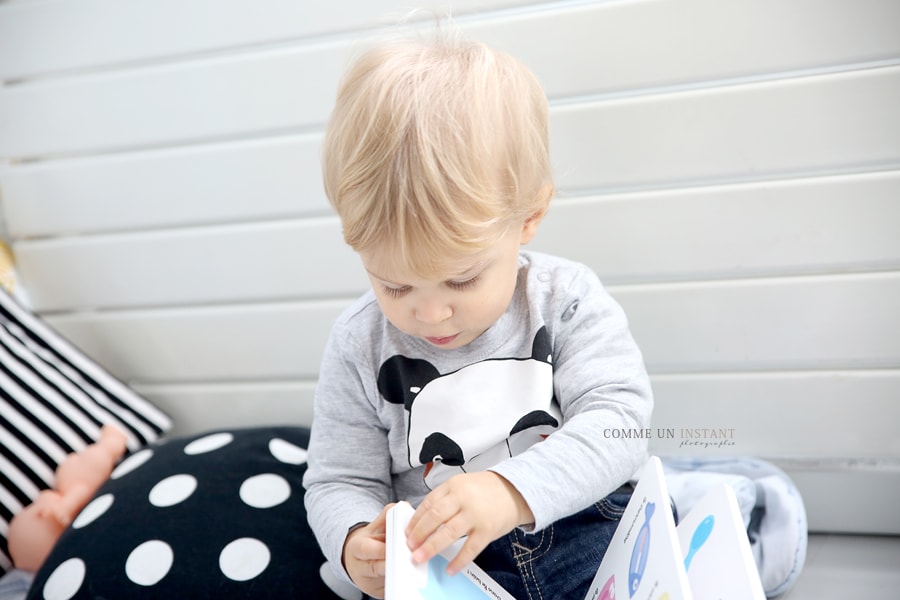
471	419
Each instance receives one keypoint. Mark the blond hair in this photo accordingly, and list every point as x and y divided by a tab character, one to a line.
434	149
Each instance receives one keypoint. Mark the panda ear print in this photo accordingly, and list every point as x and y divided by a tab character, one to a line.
542	349
438	446
400	378
535	418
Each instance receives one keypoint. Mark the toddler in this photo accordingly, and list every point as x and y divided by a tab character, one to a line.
475	379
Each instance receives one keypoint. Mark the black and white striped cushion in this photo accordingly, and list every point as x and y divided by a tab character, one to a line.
53	401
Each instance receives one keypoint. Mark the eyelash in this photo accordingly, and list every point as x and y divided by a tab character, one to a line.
456	285
464	285
394	292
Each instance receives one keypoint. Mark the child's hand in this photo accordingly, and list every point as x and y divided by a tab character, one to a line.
364	553
482	505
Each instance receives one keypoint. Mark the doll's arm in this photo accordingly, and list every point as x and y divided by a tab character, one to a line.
64	507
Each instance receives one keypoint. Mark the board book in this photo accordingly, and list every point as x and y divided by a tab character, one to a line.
706	557
408	581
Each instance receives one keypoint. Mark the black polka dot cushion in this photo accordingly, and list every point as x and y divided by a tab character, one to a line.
219	515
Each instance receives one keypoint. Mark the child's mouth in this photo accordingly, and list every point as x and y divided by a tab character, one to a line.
442	341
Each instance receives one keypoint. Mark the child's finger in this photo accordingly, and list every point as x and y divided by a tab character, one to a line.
471	549
378	527
442	538
376	568
369	549
434	512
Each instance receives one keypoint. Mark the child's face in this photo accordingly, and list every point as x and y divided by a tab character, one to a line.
451	310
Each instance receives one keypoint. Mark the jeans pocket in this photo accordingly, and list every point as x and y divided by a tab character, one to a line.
613	506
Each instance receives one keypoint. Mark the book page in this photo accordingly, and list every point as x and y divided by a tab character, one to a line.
644	560
718	558
405	580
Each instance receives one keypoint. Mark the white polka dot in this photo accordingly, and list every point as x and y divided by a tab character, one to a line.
149	563
287	452
244	559
93	511
172	490
131	463
66	580
265	491
208	443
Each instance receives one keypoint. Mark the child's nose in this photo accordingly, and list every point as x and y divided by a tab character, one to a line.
433	311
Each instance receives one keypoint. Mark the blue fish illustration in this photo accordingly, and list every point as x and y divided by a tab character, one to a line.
639	553
701	533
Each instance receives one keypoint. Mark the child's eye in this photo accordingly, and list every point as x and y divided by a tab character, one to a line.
464	285
395	292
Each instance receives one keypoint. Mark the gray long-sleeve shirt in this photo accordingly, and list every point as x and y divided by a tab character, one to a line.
552	397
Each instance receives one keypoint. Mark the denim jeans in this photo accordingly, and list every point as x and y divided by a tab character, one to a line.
14	584
558	562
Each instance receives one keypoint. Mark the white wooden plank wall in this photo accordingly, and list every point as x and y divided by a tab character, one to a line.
730	169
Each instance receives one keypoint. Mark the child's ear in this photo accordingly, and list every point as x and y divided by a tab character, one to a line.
529	228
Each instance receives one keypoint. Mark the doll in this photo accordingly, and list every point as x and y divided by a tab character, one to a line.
34	530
